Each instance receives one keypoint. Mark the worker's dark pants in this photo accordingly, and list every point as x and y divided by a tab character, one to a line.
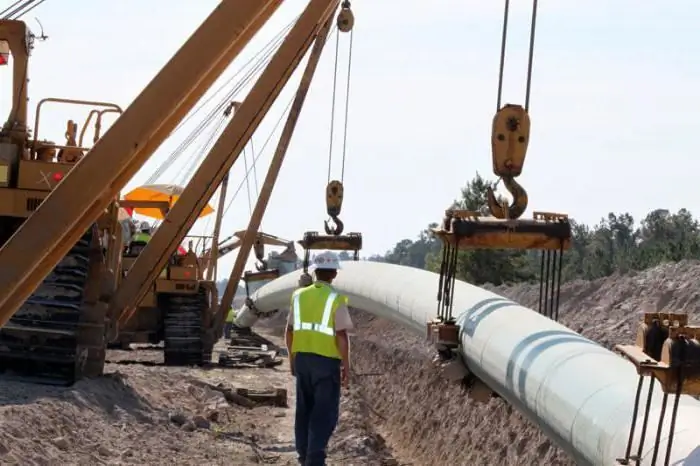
318	405
227	329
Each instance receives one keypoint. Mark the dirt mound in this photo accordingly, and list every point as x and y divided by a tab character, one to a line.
609	309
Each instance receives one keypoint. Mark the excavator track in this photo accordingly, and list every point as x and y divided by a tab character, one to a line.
57	336
185	328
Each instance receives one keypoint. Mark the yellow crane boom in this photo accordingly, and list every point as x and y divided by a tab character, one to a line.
64	216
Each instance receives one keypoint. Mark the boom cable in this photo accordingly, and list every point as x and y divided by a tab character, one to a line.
261	59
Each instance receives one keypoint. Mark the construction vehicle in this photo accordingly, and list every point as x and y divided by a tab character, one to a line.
175	309
61	220
178	308
57	334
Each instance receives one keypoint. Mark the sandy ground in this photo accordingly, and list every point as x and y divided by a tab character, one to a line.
151	415
397	411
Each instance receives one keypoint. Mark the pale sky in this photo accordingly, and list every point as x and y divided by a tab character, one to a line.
612	90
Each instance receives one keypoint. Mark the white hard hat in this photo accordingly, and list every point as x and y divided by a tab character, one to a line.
145	226
326	261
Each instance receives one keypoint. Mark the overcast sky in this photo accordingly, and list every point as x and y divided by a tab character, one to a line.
613	92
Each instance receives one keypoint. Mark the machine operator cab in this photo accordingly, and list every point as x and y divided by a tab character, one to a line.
31	167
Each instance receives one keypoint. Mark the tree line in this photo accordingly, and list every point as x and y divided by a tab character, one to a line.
617	243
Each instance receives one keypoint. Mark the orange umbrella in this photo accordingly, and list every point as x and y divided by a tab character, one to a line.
169	193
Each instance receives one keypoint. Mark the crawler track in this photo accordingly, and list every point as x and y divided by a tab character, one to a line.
185	329
57	336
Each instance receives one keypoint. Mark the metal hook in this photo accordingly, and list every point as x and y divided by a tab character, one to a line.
261	265
516	208
334	226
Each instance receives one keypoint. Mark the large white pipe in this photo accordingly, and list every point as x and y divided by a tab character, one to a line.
579	393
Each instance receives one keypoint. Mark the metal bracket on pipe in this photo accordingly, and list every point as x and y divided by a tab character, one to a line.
445	337
667	352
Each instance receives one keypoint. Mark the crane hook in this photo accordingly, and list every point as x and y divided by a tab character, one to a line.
334	226
516	208
261	265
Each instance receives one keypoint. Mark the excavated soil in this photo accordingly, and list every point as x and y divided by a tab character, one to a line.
142	413
396	412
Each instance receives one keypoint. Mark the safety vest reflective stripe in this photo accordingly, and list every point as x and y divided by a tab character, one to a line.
326	326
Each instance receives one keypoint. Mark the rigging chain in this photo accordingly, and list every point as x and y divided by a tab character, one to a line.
511	132
334	190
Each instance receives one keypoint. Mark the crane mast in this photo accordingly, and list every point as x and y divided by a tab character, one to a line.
223	154
268	185
63	216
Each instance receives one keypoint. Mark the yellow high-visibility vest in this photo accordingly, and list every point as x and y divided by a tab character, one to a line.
141	238
231	316
314	310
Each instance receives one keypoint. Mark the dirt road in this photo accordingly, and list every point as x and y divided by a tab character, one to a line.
146	414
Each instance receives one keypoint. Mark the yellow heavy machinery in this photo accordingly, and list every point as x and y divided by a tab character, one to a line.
57	333
503	228
175	308
179	307
311	28
62	219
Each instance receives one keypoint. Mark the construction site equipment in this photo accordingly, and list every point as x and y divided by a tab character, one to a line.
248	349
60	221
218	162
177	308
180	302
503	229
334	239
580	394
248	239
667	352
57	334
234	242
167	194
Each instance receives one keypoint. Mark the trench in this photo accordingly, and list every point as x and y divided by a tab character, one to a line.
430	421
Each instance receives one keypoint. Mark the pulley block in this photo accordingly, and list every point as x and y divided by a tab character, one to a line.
346	19
334	198
510	135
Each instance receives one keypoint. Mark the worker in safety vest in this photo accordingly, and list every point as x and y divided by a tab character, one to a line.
144	234
319	357
228	324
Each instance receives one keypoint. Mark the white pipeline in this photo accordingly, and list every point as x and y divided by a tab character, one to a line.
579	393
